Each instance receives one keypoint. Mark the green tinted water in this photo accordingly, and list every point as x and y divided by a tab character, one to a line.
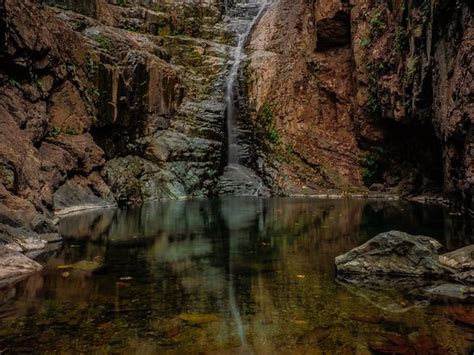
237	275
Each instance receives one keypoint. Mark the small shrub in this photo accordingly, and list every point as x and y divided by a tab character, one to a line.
273	135
372	166
376	24
399	41
91	66
132	27
71	131
365	42
374	104
54	131
14	83
104	42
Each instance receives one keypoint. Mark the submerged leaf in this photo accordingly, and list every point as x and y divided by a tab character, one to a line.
198	318
84	265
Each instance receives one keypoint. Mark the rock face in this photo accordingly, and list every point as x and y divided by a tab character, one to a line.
368	93
393	253
130	109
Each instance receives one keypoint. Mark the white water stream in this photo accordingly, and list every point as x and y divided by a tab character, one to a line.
232	82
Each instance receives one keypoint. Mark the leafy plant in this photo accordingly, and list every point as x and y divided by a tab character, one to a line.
121	2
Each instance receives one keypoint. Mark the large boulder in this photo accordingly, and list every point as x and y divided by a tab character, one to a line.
393	253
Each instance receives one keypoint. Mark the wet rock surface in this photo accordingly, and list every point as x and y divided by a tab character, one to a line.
393	253
14	266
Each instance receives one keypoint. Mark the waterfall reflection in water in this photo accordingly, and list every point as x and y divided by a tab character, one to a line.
256	275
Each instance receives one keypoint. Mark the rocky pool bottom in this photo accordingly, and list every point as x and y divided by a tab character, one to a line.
234	275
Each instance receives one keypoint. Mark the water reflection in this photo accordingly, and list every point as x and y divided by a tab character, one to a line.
235	274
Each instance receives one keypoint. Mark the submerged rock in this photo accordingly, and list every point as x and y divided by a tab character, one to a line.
452	290
14	266
393	253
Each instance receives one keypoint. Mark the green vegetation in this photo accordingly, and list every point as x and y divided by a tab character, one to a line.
14	83
266	125
365	42
71	131
91	65
372	166
373	103
411	69
376	24
273	135
132	27
104	42
399	41
54	131
121	2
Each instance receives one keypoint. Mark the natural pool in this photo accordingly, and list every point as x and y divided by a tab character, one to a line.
234	275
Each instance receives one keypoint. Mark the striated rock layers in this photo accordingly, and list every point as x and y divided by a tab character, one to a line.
367	92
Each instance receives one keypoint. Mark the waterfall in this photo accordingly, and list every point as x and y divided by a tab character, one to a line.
231	87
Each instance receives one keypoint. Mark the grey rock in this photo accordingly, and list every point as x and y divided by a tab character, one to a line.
239	180
460	259
393	253
14	266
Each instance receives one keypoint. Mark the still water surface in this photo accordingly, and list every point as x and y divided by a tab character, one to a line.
236	275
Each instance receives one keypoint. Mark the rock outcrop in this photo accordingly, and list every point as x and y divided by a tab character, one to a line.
393	253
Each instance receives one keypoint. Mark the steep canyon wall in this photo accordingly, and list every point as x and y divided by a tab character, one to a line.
118	101
374	93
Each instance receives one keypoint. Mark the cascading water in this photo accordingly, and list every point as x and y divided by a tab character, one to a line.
237	179
232	82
